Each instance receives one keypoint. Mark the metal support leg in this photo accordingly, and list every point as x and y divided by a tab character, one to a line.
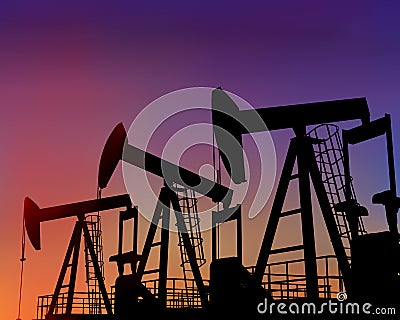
162	199
74	267
214	243
307	223
162	286
76	234
275	214
96	266
239	240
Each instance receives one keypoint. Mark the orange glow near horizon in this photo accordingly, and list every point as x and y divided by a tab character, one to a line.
71	71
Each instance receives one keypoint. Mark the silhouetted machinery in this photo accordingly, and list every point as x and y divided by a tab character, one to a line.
377	254
128	287
365	265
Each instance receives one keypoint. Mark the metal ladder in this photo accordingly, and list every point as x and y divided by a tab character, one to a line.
188	203
93	222
329	155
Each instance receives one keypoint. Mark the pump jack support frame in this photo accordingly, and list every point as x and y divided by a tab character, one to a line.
167	200
73	250
301	147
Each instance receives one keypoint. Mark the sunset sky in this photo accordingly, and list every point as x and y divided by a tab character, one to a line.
71	70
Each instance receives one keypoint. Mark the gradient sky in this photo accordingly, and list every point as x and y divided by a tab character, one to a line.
70	71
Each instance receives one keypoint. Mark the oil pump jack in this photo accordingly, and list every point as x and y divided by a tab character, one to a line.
233	287
228	118
314	160
128	288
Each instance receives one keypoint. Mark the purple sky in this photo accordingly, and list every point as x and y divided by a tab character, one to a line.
71	71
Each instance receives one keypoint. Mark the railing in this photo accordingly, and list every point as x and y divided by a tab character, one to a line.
82	304
284	280
181	293
287	279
